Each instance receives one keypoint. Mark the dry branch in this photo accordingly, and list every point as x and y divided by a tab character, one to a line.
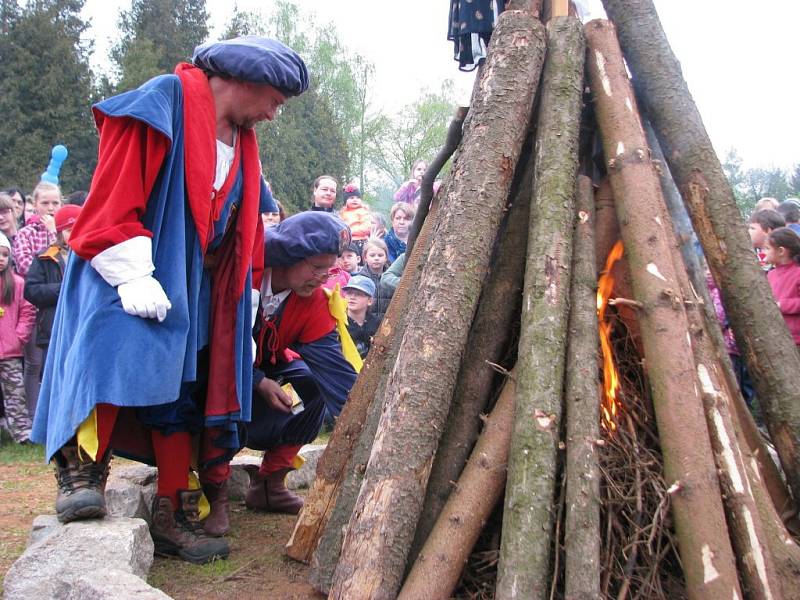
766	345
527	519
417	396
582	399
706	553
438	567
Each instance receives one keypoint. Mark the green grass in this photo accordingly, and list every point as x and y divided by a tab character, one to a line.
12	453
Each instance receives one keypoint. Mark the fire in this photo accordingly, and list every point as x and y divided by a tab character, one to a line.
605	285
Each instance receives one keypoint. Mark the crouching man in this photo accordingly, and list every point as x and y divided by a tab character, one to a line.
302	340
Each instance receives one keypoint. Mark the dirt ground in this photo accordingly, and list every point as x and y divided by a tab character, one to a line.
257	567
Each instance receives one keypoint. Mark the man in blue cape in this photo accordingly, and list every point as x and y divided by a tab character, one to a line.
151	349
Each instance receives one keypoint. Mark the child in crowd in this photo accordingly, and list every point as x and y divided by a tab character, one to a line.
17	318
783	251
761	223
356	214
376	258
402	215
790	211
350	260
378	225
361	323
410	190
43	281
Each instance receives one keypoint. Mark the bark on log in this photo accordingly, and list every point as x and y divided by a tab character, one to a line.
758	575
321	498
703	540
489	336
324	560
438	568
524	566
418	395
582	399
768	349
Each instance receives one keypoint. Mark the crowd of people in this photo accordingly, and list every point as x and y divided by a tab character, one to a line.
176	314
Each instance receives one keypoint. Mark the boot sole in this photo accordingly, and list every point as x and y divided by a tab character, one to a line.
81	513
171	551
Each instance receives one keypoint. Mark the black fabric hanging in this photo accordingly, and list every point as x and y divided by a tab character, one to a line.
470	27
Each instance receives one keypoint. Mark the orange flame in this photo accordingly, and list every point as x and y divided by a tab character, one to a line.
605	285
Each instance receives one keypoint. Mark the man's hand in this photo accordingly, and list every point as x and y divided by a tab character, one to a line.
276	398
145	298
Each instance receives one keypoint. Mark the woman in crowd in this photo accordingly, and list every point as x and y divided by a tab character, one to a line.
402	215
324	193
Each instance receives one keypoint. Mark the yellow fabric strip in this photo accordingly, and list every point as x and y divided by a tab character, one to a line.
87	436
338	309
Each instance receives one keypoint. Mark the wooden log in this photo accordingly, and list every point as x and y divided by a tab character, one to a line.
331	467
703	541
524	566
422	381
498	309
438	568
582	400
324	560
767	347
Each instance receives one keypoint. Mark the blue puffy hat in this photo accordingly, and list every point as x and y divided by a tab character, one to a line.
257	60
303	235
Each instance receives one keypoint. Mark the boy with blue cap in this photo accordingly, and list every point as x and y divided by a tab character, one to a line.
362	323
168	258
301	331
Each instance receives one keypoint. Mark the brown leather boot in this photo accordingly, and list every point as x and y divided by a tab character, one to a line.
217	523
81	485
179	533
270	494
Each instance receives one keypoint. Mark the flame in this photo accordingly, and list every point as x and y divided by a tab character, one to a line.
610	406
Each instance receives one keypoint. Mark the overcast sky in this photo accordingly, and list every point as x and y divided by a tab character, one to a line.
737	57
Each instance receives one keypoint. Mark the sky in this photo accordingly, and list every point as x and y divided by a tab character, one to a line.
738	59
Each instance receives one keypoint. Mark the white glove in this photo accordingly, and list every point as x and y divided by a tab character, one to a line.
255	298
144	297
128	266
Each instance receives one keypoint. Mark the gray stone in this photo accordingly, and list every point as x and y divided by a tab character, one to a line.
304	476
240	478
50	566
130	492
43	527
113	584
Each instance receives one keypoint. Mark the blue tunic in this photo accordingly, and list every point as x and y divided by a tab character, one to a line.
100	354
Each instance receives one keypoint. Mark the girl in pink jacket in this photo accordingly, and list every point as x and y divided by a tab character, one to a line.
783	251
17	317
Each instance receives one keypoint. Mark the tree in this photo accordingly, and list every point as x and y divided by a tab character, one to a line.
243	23
157	35
415	132
46	93
305	141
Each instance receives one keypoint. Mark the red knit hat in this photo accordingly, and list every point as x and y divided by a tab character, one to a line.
66	216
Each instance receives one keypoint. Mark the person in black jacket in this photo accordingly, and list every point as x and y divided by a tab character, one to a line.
43	280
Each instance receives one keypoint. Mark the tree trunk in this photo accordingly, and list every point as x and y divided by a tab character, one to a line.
582	399
488	340
438	568
703	541
324	560
767	347
322	496
523	570
418	393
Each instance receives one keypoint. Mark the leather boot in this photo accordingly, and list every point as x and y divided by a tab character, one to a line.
81	485
216	523
269	493
179	533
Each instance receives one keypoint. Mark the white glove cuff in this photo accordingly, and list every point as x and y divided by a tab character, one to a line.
125	261
255	297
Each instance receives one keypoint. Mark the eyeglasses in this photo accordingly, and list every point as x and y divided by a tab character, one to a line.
318	272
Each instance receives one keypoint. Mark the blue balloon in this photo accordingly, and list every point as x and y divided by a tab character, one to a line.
58	155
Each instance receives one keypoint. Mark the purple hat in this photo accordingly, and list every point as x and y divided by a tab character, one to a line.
257	60
303	235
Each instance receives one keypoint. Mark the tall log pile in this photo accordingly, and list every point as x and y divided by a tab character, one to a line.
632	472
